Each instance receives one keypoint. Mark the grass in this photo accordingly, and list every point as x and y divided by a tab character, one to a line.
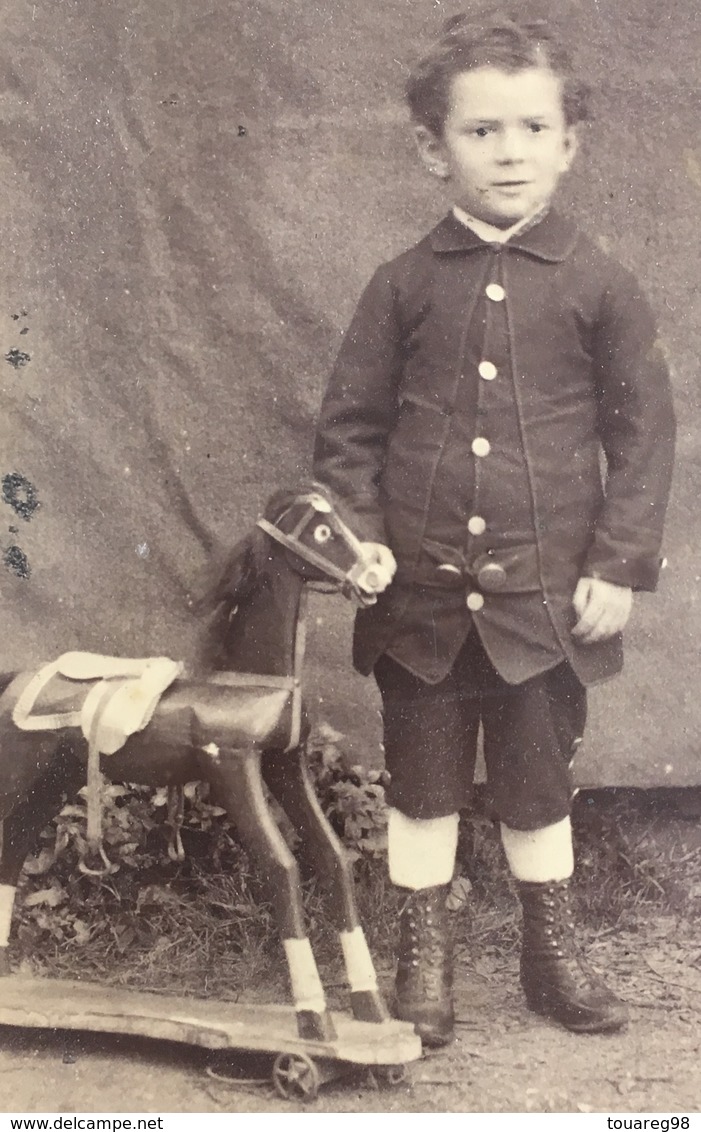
204	926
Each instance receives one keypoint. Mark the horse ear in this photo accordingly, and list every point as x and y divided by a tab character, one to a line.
279	502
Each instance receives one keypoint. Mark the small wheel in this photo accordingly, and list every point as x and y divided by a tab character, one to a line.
296	1077
391	1074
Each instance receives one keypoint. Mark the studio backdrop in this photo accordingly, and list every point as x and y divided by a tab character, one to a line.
192	196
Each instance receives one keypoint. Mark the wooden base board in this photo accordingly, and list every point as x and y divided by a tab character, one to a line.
63	1004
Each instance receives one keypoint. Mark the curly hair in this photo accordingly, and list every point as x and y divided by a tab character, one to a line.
495	38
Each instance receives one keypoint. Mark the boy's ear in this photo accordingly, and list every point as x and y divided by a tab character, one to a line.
431	152
571	146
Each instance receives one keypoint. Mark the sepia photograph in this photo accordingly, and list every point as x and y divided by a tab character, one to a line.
350	745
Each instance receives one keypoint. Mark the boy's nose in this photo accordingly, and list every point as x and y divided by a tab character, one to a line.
510	147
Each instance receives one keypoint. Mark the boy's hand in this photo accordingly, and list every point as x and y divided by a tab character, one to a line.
380	567
603	609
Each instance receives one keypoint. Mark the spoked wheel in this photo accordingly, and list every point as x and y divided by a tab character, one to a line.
296	1077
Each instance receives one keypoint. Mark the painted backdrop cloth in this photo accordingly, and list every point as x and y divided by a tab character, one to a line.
191	200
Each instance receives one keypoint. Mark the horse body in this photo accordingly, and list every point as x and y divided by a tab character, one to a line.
228	710
237	721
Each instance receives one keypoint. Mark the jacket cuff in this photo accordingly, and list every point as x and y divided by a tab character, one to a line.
637	574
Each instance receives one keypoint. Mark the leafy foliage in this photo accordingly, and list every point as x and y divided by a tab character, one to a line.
146	895
353	797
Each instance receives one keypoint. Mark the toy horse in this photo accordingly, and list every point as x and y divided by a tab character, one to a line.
238	724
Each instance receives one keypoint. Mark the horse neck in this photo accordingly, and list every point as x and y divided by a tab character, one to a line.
263	634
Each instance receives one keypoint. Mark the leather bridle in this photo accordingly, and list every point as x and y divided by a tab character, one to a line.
349	580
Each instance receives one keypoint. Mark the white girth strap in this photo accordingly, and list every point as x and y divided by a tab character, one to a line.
130	707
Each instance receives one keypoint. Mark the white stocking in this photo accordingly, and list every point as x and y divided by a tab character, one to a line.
421	850
540	855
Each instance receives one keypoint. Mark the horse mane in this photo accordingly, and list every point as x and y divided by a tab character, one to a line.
231	577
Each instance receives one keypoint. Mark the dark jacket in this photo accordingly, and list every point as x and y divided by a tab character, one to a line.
571	471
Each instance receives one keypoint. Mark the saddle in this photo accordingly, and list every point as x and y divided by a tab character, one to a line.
119	698
112	700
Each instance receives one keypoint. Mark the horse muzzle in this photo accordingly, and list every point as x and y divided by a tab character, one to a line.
365	582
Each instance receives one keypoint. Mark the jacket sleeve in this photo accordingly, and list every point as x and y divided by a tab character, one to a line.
637	430
360	408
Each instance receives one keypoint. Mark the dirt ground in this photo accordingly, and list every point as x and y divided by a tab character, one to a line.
504	1059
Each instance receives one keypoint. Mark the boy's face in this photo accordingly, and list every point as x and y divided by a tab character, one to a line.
505	142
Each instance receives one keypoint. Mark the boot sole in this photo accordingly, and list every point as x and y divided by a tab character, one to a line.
585	1026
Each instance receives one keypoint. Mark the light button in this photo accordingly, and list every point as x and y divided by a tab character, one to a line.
495	292
476	525
481	446
475	602
487	370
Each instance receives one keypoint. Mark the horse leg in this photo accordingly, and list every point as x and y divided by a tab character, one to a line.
237	781
22	827
288	778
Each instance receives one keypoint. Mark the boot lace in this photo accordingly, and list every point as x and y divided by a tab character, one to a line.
425	943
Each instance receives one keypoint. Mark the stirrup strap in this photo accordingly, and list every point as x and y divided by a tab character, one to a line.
176	813
95	846
123	699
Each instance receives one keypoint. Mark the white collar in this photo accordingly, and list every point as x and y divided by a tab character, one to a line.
489	232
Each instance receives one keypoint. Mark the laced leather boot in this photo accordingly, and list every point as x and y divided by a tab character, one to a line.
424	981
556	979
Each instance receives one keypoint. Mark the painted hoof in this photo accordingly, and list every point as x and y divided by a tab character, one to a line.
4	961
369	1006
316	1027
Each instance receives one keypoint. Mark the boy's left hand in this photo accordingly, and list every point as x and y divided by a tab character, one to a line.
603	609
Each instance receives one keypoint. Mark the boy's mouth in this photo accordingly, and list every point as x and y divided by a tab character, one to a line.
509	189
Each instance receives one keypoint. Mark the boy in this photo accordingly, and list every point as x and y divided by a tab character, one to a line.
484	374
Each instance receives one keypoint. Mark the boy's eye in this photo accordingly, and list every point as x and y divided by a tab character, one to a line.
482	131
536	127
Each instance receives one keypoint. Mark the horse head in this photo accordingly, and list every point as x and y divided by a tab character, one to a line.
300	535
319	543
